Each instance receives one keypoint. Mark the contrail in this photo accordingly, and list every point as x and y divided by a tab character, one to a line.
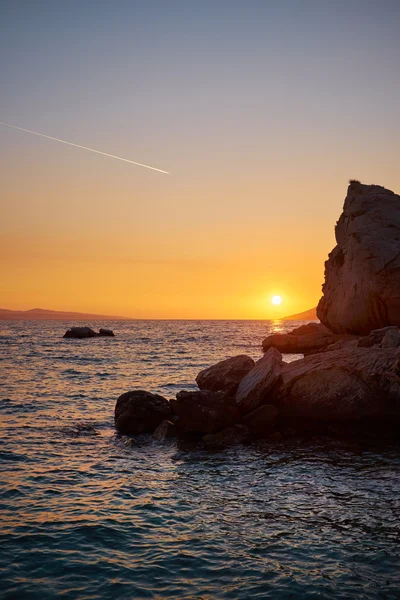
85	148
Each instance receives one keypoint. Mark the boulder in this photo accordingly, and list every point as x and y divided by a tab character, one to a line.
225	375
204	411
348	384
391	339
306	339
254	388
346	343
362	273
80	333
230	436
106	333
166	429
262	421
375	337
140	412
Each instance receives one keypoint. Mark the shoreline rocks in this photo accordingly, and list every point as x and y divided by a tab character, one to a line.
348	383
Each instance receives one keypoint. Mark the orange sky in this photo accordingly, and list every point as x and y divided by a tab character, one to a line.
261	116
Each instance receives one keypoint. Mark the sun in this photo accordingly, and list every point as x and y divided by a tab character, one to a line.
276	300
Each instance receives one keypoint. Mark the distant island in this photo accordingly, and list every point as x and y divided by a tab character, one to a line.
310	315
40	314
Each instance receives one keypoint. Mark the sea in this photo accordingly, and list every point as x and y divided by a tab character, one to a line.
86	513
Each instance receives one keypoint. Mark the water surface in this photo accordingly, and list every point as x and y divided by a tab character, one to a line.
88	516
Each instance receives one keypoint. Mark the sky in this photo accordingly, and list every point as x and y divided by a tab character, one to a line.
260	111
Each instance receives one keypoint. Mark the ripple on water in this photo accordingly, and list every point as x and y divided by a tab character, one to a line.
96	516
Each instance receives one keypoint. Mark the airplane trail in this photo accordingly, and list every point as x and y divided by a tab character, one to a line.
49	137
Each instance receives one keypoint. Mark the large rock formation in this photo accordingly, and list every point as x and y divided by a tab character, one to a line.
362	274
350	384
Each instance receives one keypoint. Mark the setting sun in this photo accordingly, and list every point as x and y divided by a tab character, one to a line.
276	300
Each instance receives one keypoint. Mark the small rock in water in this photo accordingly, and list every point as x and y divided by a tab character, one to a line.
106	333
80	333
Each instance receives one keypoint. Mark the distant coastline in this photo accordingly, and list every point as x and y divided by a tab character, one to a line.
40	314
303	316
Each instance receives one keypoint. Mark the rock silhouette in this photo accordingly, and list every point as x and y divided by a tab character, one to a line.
362	273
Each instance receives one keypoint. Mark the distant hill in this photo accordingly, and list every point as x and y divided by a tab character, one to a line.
307	315
40	314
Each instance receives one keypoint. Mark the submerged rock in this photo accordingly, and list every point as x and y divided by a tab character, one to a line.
225	375
362	273
254	388
80	333
349	384
140	412
230	436
204	411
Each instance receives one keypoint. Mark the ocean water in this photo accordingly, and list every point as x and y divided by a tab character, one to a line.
90	516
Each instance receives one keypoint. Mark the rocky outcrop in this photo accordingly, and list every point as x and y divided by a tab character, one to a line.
307	339
254	388
80	333
204	411
348	384
362	273
140	412
225	375
262	421
230	436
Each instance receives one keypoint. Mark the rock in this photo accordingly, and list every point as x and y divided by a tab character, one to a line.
310	328
254	387
274	437
262	421
362	273
166	429
80	333
225	375
305	340
391	339
140	412
204	411
347	384
106	333
341	344
230	436
375	337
